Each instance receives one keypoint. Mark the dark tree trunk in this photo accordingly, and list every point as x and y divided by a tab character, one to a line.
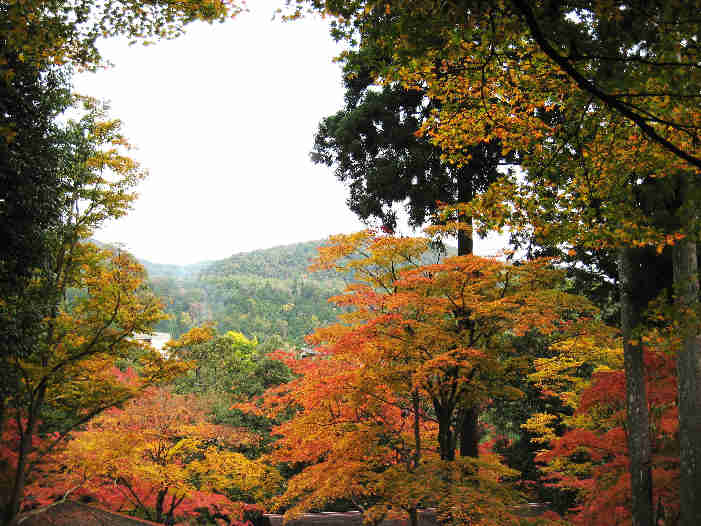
159	504
25	446
465	194
446	437
686	284
2	411
414	461
469	432
416	406
468	417
17	490
637	420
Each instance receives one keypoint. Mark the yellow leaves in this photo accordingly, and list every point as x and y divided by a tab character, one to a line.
163	441
422	305
541	425
369	257
417	331
183	447
218	470
598	348
195	336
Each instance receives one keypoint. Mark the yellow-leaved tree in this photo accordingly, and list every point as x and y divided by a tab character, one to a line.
379	403
90	301
160	457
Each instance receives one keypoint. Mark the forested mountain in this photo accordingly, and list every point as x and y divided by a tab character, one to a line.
268	294
163	270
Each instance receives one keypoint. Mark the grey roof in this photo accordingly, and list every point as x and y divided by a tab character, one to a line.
71	513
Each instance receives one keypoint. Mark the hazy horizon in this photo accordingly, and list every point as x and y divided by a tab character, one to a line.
224	118
490	246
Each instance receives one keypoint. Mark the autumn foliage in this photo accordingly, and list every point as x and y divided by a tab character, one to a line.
597	102
375	408
591	455
160	458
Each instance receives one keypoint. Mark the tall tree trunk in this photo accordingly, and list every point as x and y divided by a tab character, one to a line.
416	406
468	417
416	460
469	432
465	242
637	417
446	437
2	410
686	285
17	489
159	504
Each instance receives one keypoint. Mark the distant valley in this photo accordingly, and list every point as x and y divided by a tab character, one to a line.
267	294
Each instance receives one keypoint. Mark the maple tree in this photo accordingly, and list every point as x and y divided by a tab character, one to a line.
360	443
67	373
600	105
91	301
379	403
591	456
376	147
159	456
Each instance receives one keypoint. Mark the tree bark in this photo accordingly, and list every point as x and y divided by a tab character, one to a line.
159	504
637	416
469	432
446	437
686	285
416	406
17	489
468	417
416	460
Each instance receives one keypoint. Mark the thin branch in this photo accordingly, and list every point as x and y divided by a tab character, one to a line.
37	511
590	87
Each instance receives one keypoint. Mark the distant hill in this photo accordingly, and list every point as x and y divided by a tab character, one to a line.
281	262
173	271
268	294
158	269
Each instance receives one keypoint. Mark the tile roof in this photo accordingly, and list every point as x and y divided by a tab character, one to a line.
72	513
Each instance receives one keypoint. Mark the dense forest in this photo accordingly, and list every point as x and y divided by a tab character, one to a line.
268	295
565	374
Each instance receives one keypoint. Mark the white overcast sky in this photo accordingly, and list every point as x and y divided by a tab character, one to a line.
223	119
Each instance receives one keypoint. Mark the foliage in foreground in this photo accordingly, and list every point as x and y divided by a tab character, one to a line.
89	303
160	458
590	453
377	405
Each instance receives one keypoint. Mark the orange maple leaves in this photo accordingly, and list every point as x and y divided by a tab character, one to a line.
375	408
159	456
